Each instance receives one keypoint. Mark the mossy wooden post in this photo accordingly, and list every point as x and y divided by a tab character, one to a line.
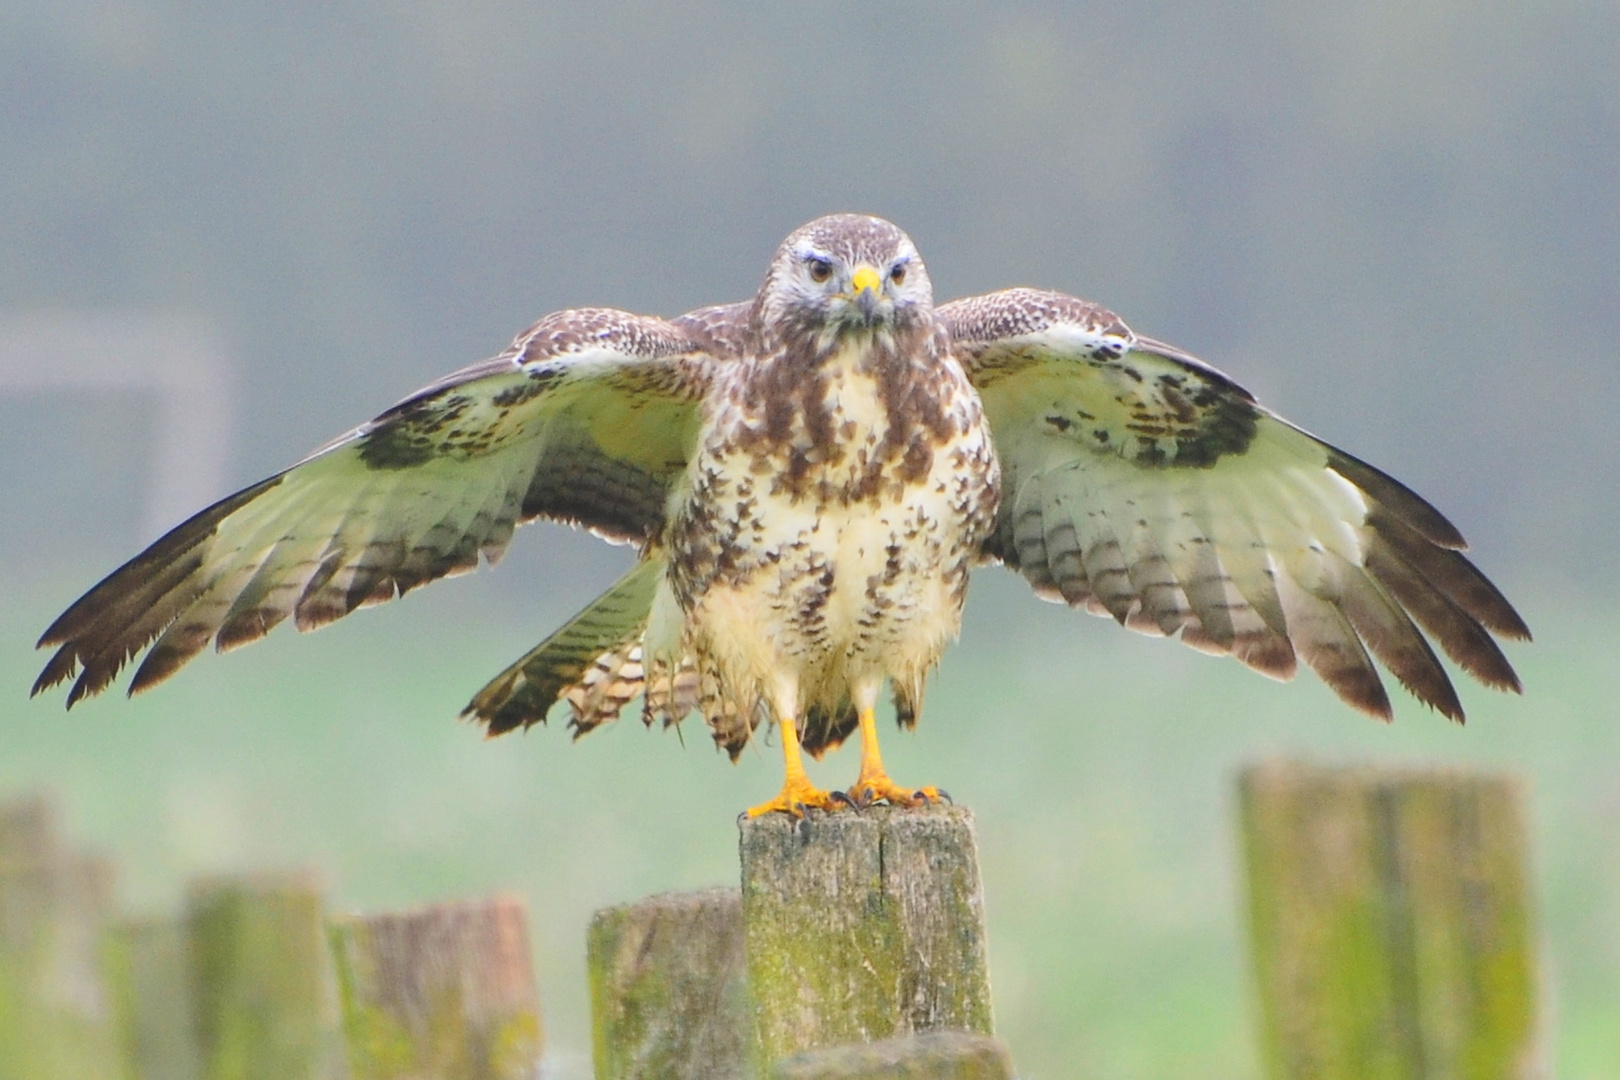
56	1017
861	926
445	992
262	977
936	1055
149	973
669	993
1391	926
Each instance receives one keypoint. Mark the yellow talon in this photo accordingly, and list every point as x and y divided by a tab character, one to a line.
874	784
798	794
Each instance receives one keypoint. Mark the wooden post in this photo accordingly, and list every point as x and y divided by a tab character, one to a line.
262	975
1391	924
862	926
669	993
149	974
937	1055
56	1021
445	991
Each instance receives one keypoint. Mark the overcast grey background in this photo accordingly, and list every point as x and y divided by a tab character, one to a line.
1396	222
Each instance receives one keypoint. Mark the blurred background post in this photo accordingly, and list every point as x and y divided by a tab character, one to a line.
1391	923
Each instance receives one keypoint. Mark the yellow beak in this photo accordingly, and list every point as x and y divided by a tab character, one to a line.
865	278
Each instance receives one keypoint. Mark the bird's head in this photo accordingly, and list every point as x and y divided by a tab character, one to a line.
843	273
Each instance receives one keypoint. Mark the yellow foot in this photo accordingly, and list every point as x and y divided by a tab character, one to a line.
871	789
798	795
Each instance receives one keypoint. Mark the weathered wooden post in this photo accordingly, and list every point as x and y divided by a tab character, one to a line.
56	1019
262	978
445	991
1391	925
936	1055
149	974
669	993
863	926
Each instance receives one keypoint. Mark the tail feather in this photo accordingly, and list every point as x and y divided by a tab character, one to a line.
594	661
826	728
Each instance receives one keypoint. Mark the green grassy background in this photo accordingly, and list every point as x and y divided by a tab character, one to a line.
1100	766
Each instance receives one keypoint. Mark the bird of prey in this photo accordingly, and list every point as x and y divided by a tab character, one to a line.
809	477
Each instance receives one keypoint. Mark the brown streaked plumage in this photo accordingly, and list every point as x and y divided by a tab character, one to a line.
810	476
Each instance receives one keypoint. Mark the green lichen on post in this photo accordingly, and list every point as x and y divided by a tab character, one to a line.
863	926
445	991
669	996
261	972
56	1016
937	1055
1390	923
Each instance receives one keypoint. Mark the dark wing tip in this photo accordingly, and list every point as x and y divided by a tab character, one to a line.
1399	499
1450	573
1514	628
118	616
84	686
510	702
1365	695
58	669
161	663
1442	700
1508	683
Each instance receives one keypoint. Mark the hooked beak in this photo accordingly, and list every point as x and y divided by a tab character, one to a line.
866	290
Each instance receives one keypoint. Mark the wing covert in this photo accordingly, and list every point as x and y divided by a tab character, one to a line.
587	418
1143	484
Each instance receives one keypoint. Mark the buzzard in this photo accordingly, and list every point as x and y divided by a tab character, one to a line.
809	476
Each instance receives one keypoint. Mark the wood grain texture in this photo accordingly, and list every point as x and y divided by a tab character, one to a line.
937	1055
863	926
669	993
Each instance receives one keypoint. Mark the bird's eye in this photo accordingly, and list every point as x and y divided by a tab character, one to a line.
898	274
820	270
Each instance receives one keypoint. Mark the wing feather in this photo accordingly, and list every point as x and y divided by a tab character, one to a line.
587	418
1458	633
1325	640
1063	547
1394	640
1146	485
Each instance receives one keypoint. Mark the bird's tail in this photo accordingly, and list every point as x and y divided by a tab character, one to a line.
593	662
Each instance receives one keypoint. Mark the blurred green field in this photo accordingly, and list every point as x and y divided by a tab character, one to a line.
1099	765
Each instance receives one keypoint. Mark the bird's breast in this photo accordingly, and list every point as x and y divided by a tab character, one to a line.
838	509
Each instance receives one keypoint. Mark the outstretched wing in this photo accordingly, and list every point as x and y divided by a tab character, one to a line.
1139	482
589	418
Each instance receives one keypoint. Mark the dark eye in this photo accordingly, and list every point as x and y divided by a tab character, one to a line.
898	274
820	270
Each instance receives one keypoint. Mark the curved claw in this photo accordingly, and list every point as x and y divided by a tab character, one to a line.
870	789
838	800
